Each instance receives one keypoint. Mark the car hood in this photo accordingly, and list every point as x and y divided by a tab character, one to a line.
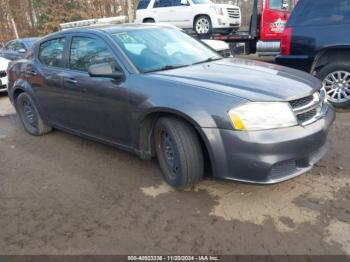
248	79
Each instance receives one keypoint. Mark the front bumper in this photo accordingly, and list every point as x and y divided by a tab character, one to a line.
225	22
268	157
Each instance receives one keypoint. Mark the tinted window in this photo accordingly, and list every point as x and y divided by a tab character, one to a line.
51	52
143	4
162	3
321	12
88	51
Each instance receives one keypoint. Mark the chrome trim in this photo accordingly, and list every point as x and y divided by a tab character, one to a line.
319	103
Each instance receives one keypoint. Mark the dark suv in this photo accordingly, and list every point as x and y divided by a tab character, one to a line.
317	40
16	49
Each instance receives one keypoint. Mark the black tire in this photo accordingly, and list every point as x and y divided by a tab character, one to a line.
149	20
30	117
203	18
325	75
179	153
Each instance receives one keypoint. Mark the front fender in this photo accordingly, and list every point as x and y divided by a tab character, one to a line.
195	114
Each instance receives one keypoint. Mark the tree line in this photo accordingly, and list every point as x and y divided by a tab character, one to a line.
40	17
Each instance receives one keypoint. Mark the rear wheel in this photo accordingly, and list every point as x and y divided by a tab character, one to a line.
179	152
30	117
202	25
336	80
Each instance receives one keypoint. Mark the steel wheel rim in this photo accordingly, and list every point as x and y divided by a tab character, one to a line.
337	85
29	113
169	154
202	26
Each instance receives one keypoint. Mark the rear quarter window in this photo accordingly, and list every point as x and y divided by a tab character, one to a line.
320	12
143	4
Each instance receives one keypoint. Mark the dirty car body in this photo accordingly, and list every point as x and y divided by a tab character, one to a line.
236	107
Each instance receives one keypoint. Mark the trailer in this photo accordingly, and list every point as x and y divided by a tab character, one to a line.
266	28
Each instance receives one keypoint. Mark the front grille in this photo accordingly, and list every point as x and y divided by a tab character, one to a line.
301	102
309	109
2	73
233	12
307	116
282	169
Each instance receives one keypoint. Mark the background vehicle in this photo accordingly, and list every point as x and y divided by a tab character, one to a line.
266	27
315	40
3	75
16	49
176	99
203	16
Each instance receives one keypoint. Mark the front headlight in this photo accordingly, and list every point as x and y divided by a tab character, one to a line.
218	10
262	115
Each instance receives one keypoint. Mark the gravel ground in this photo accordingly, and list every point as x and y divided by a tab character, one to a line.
61	194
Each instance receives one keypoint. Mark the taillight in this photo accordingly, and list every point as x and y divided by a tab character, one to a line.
286	41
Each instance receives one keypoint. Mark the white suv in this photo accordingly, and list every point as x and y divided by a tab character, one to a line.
202	16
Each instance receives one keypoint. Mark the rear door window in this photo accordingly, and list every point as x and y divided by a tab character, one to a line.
51	52
162	3
320	12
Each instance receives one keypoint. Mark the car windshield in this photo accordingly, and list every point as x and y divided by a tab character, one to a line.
198	2
156	49
30	42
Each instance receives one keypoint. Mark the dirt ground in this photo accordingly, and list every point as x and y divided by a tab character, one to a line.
61	194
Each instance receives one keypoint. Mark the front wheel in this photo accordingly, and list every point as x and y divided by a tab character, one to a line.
336	80
179	152
202	25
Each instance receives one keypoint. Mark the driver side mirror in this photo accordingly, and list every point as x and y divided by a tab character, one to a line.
185	2
104	70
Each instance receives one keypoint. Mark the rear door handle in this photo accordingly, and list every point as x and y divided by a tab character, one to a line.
32	72
71	81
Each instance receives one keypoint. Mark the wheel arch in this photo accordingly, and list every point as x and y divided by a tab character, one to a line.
329	54
148	18
22	86
146	148
202	14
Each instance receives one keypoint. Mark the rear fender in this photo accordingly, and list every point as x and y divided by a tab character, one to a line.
21	85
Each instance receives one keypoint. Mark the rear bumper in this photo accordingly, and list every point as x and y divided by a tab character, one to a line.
300	62
268	157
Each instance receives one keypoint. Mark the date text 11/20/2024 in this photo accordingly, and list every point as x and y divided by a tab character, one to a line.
174	258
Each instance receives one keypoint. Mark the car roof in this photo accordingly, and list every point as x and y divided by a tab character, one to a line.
110	28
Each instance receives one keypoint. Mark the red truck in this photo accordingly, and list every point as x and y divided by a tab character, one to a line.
266	27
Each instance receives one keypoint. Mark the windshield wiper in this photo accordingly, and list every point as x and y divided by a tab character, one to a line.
210	59
167	67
